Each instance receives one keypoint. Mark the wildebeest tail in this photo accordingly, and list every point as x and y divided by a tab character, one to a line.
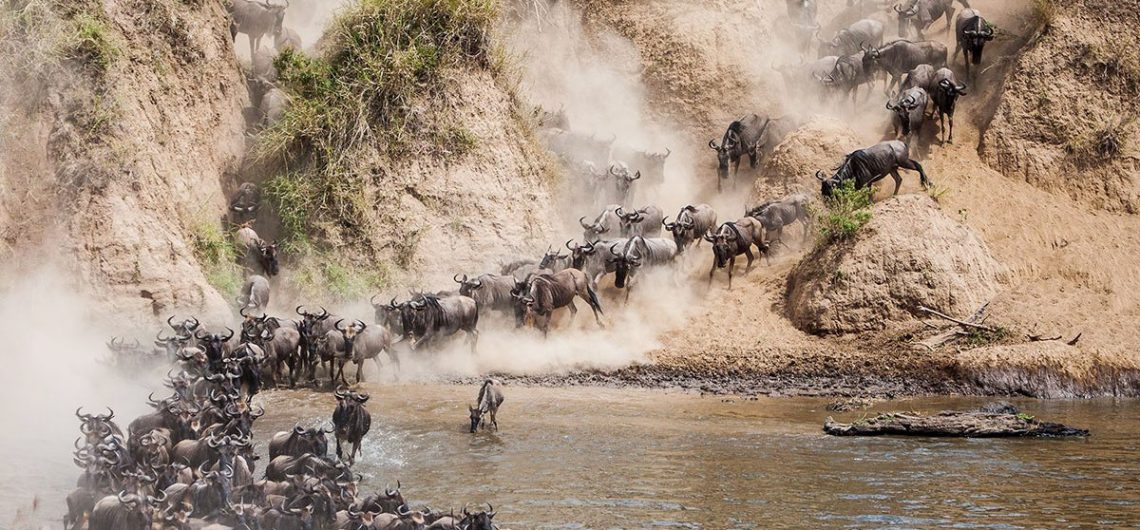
594	303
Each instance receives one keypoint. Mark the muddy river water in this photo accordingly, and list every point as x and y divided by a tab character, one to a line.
608	458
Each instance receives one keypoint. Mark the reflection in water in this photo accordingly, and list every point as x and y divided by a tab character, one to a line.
601	458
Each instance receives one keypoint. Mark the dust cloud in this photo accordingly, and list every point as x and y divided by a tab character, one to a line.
52	364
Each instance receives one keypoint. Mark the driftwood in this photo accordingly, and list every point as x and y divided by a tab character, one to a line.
976	321
971	424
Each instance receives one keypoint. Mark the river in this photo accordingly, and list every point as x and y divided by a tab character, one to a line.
627	458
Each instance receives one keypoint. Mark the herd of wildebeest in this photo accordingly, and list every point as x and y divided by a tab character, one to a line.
190	464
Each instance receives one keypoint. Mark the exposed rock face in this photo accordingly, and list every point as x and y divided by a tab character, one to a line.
909	255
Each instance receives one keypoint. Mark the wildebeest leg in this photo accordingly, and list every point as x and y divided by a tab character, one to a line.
712	270
573	310
359	370
735	171
338	452
951	128
731	266
494	421
595	305
254	44
751	258
473	337
915	166
898	180
949	16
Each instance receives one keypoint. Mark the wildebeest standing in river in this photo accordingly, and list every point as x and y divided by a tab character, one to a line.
351	422
486	404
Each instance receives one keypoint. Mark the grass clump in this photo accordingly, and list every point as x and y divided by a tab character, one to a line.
1102	142
215	252
381	58
981	337
91	43
1045	13
320	276
848	210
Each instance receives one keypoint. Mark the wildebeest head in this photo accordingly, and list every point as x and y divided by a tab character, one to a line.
267	255
138	509
723	155
184	327
349	332
903	107
681	229
96	427
467	287
623	178
596	228
308	328
579	253
476	415
950	89
725	242
551	258
905	14
478	520
624	264
214	343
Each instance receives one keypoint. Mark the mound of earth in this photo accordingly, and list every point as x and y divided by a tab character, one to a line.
909	255
1067	117
819	144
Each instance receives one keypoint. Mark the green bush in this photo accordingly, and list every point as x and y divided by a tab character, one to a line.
847	211
320	276
91	43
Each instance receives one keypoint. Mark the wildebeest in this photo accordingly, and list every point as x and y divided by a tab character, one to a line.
578	147
921	76
538	298
352	422
281	344
256	19
429	318
691	223
971	32
650	164
621	183
586	258
265	254
639	253
774	216
552	120
491	292
486	404
645	222
606	222
899	57
945	92
853	39
732	239
869	165
299	441
741	138
246	201
369	344
850	72
254	294
920	14
125	511
553	260
909	113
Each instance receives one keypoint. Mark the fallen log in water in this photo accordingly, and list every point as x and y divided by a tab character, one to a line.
971	424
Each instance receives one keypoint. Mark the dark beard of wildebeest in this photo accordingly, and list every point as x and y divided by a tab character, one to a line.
909	113
639	253
853	39
868	166
733	239
299	441
492	292
352	422
428	318
255	19
741	138
849	73
246	359
645	222
606	222
945	94
486	404
692	221
538	298
774	216
215	345
971	32
920	14
899	57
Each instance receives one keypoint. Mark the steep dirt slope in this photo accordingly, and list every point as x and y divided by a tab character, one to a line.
1066	121
131	123
1069	267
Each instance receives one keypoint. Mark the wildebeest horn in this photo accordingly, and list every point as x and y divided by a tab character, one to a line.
392	304
337	325
614	252
819	175
195	324
457	280
582	221
490	510
668	152
636	175
898	9
571	248
230	336
619	212
360	324
300	311
298	429
713	146
169	322
242	312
